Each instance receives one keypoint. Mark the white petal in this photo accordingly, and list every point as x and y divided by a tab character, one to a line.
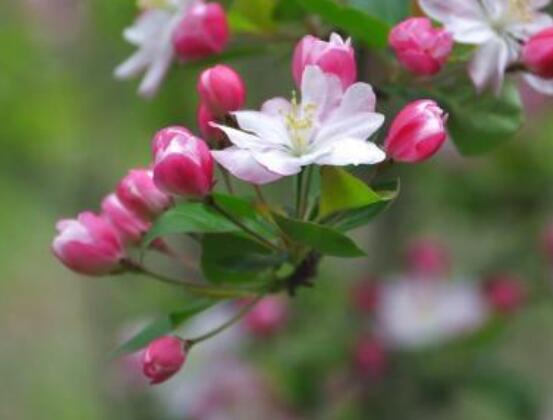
278	161
134	65
539	4
269	129
146	26
156	73
323	90
239	138
465	19
242	165
543	86
358	98
350	151
276	107
487	67
524	30
358	126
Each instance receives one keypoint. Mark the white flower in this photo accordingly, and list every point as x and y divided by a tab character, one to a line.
328	127
412	314
498	27
152	34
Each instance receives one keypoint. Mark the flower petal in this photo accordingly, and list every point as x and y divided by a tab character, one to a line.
323	90
543	86
156	72
349	151
242	165
278	161
276	107
268	129
487	67
465	19
359	126
238	137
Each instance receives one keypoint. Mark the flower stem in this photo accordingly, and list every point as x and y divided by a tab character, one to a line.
299	190
227	324
227	181
191	287
211	202
307	187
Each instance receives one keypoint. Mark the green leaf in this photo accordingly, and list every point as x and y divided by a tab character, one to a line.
354	218
320	238
163	326
189	218
288	10
252	16
360	25
391	11
342	191
231	258
480	123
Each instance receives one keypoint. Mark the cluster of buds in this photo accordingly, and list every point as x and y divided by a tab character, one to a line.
96	244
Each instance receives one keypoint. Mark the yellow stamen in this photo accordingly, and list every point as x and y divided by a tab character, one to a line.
521	10
299	122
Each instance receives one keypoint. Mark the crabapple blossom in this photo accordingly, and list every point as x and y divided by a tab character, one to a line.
130	226
139	194
221	90
370	357
205	123
335	56
498	28
419	47
163	358
166	29
413	314
88	245
417	132
327	127
182	163
428	258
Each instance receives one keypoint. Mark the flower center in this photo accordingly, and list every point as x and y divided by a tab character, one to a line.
299	123
520	10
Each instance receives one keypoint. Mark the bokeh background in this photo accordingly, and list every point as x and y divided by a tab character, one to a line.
69	131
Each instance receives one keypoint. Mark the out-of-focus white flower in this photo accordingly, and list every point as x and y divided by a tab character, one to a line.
414	314
152	34
499	28
328	127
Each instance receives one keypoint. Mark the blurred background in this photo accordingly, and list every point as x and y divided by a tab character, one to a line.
69	131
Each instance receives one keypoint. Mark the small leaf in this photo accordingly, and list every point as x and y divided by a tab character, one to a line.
369	29
231	258
320	238
354	218
342	191
189	218
391	11
163	326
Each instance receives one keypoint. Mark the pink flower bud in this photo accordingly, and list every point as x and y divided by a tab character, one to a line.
130	227
89	245
164	136
203	31
364	295
335	57
370	357
221	90
267	316
537	54
419	47
417	132
163	358
139	194
504	293
428	258
205	118
183	164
